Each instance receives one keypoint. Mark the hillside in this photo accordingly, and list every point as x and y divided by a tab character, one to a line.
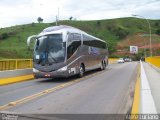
116	32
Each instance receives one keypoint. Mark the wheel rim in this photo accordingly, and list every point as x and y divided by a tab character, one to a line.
81	71
101	66
104	65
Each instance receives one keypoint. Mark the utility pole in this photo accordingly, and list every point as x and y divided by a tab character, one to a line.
58	14
150	35
56	21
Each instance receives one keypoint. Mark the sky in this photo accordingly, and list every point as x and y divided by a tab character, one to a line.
17	12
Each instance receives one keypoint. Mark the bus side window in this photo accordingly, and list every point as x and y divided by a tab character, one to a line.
72	48
73	44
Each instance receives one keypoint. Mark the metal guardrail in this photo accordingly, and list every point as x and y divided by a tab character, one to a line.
13	64
154	60
112	60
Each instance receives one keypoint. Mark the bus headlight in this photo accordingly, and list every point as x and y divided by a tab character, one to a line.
35	70
63	68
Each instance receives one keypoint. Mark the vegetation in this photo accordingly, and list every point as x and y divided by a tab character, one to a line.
13	39
70	18
40	20
158	32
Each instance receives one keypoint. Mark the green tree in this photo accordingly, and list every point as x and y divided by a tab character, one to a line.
156	24
70	18
5	35
39	19
98	23
121	33
158	32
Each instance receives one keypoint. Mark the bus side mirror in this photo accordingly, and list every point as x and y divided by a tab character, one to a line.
33	37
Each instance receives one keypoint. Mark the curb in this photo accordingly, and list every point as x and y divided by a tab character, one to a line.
5	81
143	102
147	105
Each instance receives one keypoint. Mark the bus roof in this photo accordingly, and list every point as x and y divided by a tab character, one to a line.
65	28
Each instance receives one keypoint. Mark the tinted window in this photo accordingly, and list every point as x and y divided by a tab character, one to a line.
77	36
74	41
70	37
87	40
49	49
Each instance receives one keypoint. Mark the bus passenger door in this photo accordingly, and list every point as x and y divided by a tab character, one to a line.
73	50
93	57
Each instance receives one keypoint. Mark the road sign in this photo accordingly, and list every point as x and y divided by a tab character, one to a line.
134	49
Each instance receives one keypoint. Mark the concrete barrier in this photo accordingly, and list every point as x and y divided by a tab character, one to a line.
143	102
12	76
15	73
156	68
147	105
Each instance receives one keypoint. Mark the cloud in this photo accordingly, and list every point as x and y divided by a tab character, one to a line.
27	11
106	9
150	10
14	2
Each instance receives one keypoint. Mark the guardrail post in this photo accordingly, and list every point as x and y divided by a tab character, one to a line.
16	64
4	65
30	63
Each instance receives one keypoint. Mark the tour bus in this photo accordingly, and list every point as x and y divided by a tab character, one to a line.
63	51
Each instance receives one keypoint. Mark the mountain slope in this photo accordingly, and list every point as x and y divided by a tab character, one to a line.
13	39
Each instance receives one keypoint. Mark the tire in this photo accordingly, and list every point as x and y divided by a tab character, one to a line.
103	65
81	71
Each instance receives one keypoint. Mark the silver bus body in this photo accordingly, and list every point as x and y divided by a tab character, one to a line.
63	51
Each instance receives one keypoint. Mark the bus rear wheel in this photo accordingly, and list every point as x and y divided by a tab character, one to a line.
81	71
103	65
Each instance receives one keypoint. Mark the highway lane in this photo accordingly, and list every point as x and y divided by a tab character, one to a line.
16	91
109	91
13	92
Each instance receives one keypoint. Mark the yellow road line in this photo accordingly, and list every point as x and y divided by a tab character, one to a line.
136	101
47	91
5	81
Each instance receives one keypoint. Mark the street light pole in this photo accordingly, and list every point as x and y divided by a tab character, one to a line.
145	49
150	38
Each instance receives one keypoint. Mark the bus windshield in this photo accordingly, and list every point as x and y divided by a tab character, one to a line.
49	49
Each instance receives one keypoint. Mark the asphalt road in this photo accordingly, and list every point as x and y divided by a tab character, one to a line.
99	92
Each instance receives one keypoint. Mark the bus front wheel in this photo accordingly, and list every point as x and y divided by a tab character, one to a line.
81	71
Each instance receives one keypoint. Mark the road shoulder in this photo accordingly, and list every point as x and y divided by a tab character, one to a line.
154	82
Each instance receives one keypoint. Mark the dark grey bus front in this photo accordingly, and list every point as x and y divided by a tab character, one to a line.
49	57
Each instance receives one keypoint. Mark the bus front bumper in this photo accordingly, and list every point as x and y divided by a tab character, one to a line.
53	74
